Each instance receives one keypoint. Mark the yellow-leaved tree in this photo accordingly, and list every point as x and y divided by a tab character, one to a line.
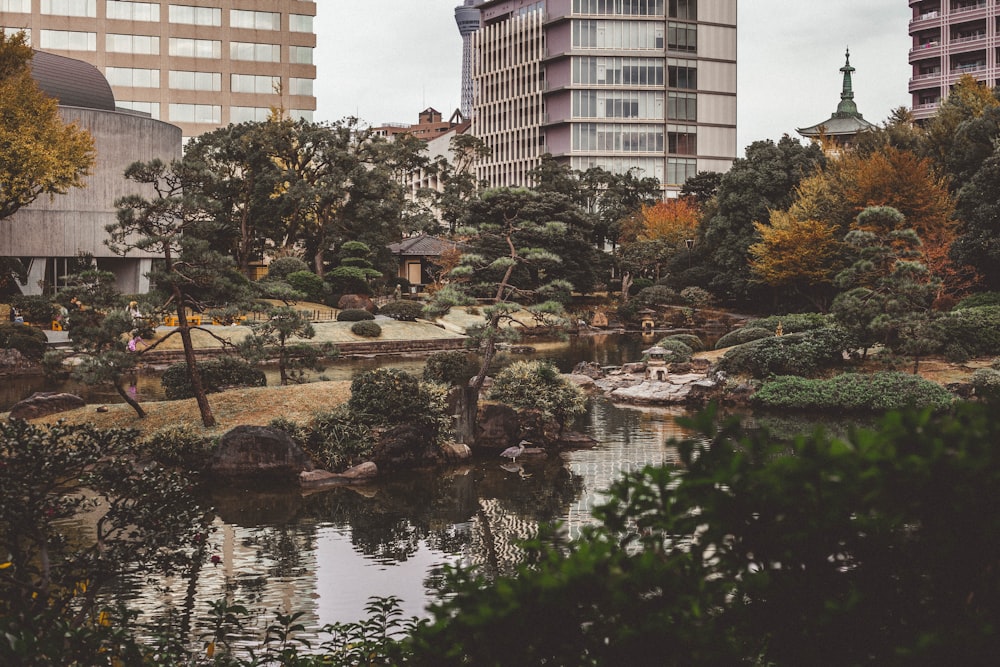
41	153
801	255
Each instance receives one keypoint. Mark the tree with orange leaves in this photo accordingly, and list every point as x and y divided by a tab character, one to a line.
803	255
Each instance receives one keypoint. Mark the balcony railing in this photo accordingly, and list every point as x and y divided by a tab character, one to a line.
969	8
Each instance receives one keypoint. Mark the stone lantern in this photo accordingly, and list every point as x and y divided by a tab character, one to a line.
656	366
647	318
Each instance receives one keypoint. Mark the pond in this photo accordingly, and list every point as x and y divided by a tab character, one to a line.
326	553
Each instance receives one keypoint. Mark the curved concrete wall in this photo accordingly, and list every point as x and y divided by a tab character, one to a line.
66	225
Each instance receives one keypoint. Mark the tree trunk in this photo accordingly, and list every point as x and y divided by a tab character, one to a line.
131	401
626	285
207	418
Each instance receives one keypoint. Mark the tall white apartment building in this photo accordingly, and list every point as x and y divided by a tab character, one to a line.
617	84
951	38
198	64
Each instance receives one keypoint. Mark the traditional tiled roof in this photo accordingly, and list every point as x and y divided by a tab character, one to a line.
845	121
72	82
423	245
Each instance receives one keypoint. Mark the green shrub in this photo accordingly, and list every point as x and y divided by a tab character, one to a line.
366	329
638	285
387	396
29	341
979	300
803	353
354	315
281	268
694	342
452	367
36	309
308	283
337	440
853	392
407	311
742	335
216	375
180	446
537	385
986	382
972	332
657	295
791	323
351	280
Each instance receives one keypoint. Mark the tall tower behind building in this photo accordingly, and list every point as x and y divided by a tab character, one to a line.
648	85
199	64
951	38
467	18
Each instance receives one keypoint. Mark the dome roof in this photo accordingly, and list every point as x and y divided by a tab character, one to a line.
72	82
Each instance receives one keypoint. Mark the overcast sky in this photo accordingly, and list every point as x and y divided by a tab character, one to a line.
386	60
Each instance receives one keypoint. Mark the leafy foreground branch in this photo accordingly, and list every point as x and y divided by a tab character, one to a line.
880	548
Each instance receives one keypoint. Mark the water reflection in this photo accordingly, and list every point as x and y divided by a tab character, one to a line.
326	553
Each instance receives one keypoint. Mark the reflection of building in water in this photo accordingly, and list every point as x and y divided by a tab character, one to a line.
496	532
641	437
268	568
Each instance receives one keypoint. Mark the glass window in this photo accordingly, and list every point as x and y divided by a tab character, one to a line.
262	53
300	23
619	7
250	83
151	108
241	18
684	9
195	15
300	55
10	32
195	48
300	86
248	114
70	7
67	40
133	11
614	71
196	113
683	73
141	44
624	138
301	114
682	106
129	77
680	169
599	34
682	37
682	139
184	80
617	104
16	6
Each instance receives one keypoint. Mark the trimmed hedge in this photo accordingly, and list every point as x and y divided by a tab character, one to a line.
354	315
853	392
803	353
366	329
792	322
216	375
972	332
451	367
678	350
694	342
406	311
742	335
978	301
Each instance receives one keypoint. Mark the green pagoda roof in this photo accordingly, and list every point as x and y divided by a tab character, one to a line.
845	121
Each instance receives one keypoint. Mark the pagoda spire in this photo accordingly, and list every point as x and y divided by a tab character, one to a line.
847	107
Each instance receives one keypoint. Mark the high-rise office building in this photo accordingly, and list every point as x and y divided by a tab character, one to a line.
198	64
951	38
617	84
467	18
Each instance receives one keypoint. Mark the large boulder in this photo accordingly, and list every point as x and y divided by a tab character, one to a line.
404	447
44	403
259	452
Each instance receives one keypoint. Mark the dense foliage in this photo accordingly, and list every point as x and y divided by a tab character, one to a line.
407	311
804	353
876	549
852	392
366	329
29	341
537	385
354	315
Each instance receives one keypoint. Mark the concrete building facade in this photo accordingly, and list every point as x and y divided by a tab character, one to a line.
52	231
951	38
198	64
618	84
